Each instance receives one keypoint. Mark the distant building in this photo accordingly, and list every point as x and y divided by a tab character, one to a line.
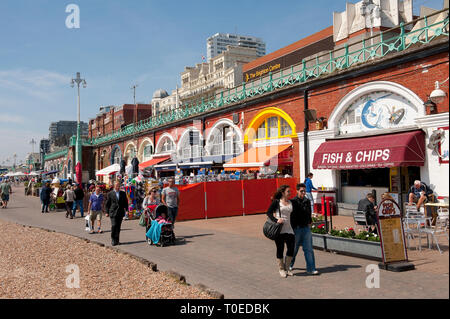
218	43
205	80
112	118
60	132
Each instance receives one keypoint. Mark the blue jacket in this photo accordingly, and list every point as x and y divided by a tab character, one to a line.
309	185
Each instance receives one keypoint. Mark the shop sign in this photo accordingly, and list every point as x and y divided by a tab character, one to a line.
353	159
391	232
377	110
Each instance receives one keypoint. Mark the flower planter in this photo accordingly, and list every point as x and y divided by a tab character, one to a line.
347	246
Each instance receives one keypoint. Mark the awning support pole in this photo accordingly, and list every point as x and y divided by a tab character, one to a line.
305	133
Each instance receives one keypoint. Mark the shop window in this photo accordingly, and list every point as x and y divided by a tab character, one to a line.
262	130
377	177
148	151
285	129
274	127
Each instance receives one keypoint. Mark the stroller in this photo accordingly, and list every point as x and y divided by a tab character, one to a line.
167	236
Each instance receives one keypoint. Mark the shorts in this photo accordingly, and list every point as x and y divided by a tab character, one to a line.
5	197
95	214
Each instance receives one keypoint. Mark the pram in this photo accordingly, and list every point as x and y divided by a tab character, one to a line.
167	236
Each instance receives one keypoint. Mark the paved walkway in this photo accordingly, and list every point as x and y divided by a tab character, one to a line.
231	256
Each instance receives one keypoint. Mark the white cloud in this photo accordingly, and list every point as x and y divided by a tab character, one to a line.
35	83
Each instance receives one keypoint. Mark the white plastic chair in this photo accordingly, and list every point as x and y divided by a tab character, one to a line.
414	225
359	218
439	229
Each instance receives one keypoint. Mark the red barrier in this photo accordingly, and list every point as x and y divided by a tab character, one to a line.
292	182
192	200
223	199
257	194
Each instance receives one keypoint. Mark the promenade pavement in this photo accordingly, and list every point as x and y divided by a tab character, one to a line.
231	255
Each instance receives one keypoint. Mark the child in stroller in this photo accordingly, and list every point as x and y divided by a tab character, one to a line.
160	223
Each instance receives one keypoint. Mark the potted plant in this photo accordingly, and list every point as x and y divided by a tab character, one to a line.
347	241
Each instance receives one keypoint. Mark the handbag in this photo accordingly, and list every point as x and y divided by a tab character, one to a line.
142	221
271	229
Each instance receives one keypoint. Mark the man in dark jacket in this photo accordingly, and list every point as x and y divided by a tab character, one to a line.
45	195
301	223
116	206
79	197
367	206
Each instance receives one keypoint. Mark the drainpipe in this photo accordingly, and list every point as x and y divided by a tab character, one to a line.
305	133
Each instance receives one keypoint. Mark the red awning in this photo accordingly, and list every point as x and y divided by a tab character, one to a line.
390	150
153	162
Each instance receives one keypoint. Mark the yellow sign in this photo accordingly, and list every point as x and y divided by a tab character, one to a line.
258	73
392	237
391	232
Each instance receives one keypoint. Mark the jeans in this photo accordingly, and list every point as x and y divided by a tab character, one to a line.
303	236
80	204
173	212
45	204
311	198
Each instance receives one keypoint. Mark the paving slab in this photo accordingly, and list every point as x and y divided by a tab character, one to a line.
230	255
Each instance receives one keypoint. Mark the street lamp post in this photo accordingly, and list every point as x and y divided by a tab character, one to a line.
78	168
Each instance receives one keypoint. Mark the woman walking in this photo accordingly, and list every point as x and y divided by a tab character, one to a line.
282	208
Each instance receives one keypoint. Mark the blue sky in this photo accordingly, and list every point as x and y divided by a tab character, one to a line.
121	43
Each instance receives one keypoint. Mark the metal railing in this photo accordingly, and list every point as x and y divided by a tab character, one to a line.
56	154
420	31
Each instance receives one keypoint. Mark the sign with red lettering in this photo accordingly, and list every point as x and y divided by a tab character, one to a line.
391	232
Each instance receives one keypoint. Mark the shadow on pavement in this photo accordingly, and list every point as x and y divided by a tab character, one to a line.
132	242
326	270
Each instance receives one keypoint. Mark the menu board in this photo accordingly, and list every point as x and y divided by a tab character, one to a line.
391	232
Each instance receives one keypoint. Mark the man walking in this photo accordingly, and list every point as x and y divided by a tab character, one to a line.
171	198
301	222
5	190
95	209
309	188
69	197
79	196
116	206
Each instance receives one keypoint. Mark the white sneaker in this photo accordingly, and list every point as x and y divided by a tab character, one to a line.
313	273
283	273
289	272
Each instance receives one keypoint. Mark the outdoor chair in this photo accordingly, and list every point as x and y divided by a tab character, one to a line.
359	218
414	225
438	230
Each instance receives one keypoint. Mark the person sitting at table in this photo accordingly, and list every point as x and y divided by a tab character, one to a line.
418	194
367	206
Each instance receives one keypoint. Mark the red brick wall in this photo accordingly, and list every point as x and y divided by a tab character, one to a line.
418	76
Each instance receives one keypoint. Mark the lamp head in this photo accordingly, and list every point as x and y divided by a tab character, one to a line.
84	84
437	96
72	83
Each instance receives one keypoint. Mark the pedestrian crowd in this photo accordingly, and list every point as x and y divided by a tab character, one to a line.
112	203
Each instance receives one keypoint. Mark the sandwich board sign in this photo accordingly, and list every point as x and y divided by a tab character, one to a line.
392	236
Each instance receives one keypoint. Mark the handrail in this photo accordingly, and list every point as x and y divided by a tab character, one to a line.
399	39
56	154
